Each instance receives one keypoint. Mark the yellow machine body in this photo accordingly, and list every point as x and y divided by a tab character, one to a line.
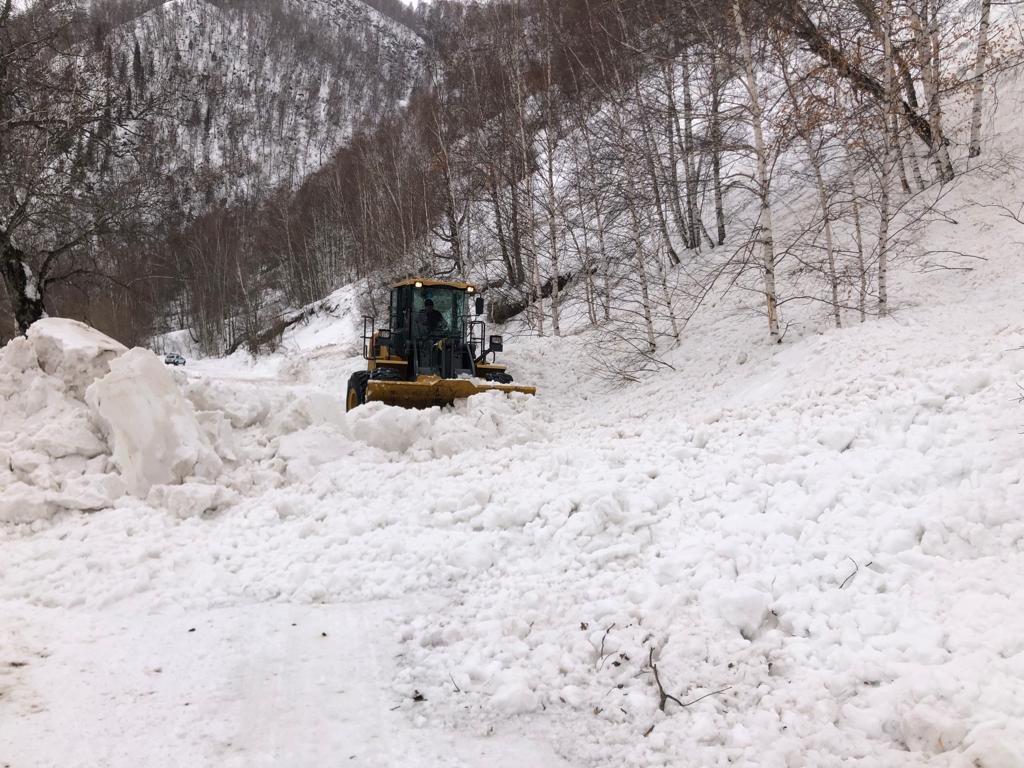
432	354
428	391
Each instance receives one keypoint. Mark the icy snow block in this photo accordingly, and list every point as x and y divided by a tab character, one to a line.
190	499
21	503
89	492
72	351
18	356
153	430
744	608
514	696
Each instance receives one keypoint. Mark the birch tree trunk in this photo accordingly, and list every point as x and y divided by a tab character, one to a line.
549	148
516	227
915	166
814	158
524	148
671	129
900	159
883	233
886	170
830	250
925	28
764	232
552	229
667	294
22	286
587	260
600	225
651	161
862	269
979	80
492	190
641	272
693	214
716	148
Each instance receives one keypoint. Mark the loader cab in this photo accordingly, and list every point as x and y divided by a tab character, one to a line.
421	315
429	326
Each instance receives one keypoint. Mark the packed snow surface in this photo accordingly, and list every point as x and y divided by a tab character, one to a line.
819	547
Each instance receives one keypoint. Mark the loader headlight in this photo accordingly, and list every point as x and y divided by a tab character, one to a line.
470	289
419	284
496	344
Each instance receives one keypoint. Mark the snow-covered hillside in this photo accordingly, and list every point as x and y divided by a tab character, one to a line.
263	93
818	546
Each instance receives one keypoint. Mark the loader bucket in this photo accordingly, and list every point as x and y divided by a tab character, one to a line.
428	391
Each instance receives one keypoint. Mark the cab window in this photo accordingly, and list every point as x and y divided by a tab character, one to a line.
438	310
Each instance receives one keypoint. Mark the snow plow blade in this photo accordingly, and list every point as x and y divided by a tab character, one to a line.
428	391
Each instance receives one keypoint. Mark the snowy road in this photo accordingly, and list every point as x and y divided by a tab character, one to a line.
277	685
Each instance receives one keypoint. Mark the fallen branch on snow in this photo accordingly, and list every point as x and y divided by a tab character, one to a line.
665	697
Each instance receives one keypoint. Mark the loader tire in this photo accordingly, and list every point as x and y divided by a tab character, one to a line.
356	395
500	378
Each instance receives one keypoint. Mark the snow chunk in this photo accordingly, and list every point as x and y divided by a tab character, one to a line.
90	492
72	351
217	428
308	449
21	503
71	437
485	421
927	729
837	437
743	607
994	745
19	356
971	382
155	434
514	696
190	499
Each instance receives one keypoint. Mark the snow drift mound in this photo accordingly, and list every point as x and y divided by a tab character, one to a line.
52	454
485	421
83	420
153	430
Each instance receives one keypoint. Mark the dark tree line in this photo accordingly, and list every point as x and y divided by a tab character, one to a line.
163	126
69	140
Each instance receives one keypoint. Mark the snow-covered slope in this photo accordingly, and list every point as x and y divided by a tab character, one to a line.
262	93
818	546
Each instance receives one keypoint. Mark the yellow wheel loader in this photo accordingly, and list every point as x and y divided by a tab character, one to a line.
432	352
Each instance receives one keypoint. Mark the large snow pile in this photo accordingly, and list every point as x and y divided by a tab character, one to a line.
84	421
153	429
52	454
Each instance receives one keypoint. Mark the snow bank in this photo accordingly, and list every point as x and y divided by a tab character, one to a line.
819	545
153	430
84	421
52	454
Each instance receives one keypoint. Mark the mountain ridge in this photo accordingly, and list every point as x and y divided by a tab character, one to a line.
263	94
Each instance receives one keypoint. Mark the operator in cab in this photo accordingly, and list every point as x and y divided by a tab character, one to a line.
430	318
